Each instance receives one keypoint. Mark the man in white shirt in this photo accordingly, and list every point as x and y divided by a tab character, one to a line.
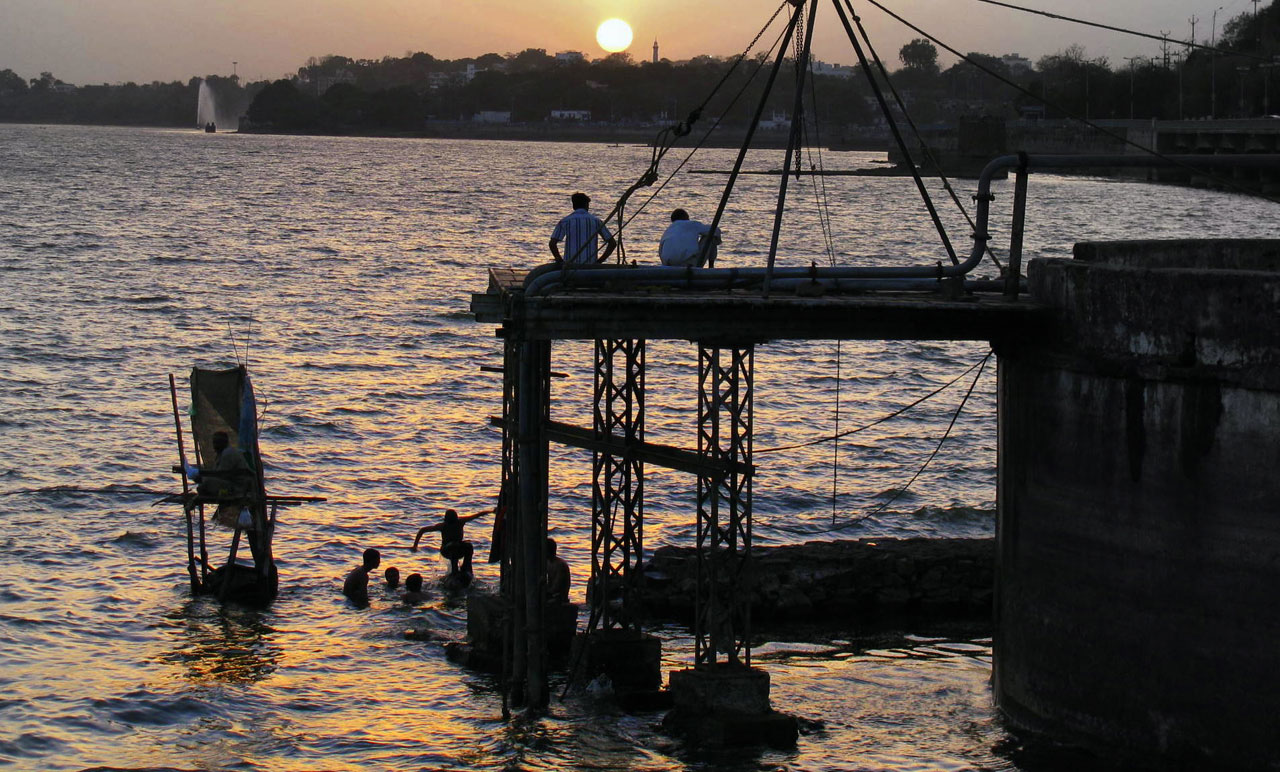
581	233
681	245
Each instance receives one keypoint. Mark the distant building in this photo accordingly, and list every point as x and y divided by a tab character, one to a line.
1017	64
63	88
326	82
655	50
1031	112
437	80
470	74
492	116
834	70
570	57
570	115
776	120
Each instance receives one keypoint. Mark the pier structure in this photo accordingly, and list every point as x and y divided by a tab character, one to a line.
1049	640
1138	408
1155	358
725	325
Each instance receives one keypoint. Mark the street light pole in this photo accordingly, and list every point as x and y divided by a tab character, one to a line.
1266	87
1133	66
1244	75
1182	65
1213	65
1086	89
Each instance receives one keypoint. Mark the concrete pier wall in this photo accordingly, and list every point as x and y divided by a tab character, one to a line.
1138	541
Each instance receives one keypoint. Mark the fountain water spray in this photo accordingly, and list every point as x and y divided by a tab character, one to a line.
206	106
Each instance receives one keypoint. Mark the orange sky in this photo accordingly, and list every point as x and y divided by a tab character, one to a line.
97	41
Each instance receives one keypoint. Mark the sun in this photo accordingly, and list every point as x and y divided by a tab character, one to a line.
614	35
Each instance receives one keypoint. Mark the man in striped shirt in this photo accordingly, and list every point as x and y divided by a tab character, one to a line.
581	233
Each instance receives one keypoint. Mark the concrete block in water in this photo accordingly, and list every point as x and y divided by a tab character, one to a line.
726	704
486	628
721	689
631	660
486	622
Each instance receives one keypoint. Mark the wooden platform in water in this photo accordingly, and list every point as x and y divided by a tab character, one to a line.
745	316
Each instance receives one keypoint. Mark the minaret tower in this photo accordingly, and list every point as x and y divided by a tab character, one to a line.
655	50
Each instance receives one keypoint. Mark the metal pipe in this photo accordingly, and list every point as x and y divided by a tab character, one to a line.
884	285
529	496
1014	271
707	278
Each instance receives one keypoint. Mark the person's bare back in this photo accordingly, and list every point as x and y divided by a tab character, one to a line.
356	585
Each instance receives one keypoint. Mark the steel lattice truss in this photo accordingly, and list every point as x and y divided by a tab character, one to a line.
617	501
723	610
510	460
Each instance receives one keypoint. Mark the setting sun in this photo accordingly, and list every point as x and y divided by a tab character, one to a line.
614	35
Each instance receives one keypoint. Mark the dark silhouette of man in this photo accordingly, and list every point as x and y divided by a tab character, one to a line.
581	232
557	575
453	547
356	586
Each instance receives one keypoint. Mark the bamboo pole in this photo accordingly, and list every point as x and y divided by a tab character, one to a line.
186	487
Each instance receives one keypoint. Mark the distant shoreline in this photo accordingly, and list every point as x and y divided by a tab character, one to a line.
525	132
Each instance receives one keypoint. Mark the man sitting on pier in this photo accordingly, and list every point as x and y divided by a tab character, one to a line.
682	242
557	575
452	546
581	233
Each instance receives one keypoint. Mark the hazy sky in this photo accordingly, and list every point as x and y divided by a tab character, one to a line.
109	41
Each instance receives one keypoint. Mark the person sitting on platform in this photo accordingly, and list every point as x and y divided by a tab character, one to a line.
452	546
581	232
557	575
413	590
392	575
229	476
356	586
681	244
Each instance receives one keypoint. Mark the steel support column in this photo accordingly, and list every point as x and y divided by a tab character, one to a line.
722	622
528	548
506	535
617	499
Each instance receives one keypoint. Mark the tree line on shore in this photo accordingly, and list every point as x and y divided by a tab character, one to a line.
336	94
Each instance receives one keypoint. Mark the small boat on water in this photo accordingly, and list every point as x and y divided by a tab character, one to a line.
226	485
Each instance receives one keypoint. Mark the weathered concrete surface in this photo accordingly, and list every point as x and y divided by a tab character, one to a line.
486	626
630	659
838	581
1139	505
727	704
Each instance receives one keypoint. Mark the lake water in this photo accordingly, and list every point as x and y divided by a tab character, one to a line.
344	267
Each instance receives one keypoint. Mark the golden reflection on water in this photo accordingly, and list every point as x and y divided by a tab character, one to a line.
215	644
345	265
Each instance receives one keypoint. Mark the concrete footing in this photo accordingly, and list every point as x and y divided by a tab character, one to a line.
486	628
631	660
726	704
